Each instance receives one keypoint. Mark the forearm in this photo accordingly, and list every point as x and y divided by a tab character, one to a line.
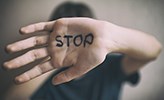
133	43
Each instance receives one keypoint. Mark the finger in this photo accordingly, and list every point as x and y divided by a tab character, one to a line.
67	75
26	58
34	72
42	26
27	43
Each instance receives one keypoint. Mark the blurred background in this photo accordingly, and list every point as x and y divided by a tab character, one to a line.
144	15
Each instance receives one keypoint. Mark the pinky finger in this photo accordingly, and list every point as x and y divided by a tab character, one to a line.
34	72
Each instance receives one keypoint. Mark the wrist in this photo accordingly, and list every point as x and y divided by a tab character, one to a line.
112	37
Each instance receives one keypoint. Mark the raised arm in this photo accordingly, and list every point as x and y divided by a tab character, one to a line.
80	44
138	47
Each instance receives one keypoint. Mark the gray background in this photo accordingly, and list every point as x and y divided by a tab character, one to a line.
144	15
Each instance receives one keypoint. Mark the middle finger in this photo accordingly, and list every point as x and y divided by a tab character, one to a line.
27	43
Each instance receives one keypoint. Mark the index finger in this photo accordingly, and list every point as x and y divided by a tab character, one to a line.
42	26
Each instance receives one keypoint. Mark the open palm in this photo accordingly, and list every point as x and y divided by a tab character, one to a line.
77	43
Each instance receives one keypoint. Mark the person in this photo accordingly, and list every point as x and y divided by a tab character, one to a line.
93	57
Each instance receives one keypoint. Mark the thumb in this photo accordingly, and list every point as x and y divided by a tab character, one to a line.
67	75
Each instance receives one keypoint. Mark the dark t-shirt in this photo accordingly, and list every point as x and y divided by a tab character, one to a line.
102	83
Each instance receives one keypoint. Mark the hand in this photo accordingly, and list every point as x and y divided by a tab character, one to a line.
77	43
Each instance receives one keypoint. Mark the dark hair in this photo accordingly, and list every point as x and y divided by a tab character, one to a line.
71	9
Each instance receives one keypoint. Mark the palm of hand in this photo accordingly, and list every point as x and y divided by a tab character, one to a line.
75	43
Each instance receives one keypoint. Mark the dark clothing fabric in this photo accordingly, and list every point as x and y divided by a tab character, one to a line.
102	83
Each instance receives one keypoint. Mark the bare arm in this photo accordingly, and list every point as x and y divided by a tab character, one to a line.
80	44
139	48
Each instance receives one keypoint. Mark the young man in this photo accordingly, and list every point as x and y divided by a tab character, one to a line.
93	57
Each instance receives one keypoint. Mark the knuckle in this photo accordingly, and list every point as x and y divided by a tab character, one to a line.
56	64
36	40
57	61
40	69
60	21
34	54
60	25
66	76
46	27
39	26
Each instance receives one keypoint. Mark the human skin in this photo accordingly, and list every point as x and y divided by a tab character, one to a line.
138	47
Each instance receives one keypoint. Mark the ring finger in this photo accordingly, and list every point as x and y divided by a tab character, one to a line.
26	58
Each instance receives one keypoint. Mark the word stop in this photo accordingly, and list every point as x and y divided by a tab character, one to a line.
77	40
